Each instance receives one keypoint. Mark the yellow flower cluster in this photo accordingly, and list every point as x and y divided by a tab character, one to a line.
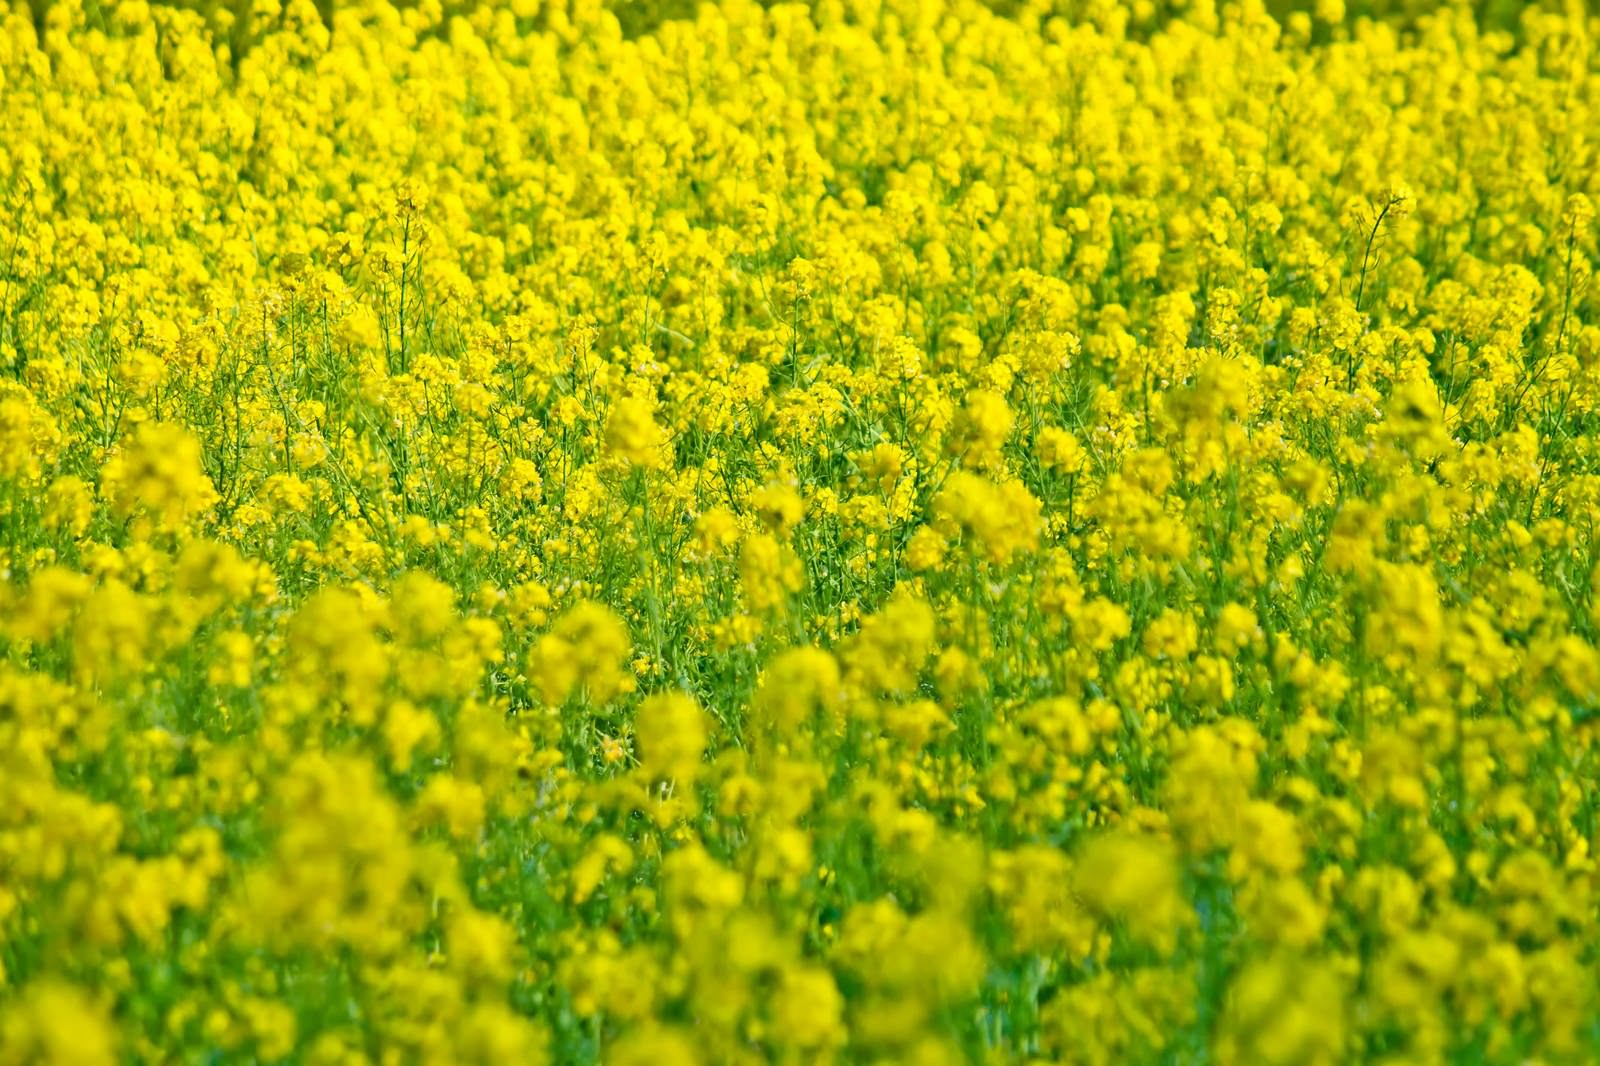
893	531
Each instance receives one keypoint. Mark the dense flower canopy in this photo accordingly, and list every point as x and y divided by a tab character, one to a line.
878	531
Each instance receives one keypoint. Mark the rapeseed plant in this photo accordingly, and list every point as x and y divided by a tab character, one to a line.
873	531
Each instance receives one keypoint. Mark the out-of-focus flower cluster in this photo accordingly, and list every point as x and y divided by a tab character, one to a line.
879	531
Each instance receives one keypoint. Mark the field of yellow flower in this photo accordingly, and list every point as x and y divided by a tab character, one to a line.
881	531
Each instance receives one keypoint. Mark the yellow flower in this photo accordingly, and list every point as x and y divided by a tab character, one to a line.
672	734
159	475
632	433
586	647
768	572
1283	1009
1135	880
1003	519
57	1024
